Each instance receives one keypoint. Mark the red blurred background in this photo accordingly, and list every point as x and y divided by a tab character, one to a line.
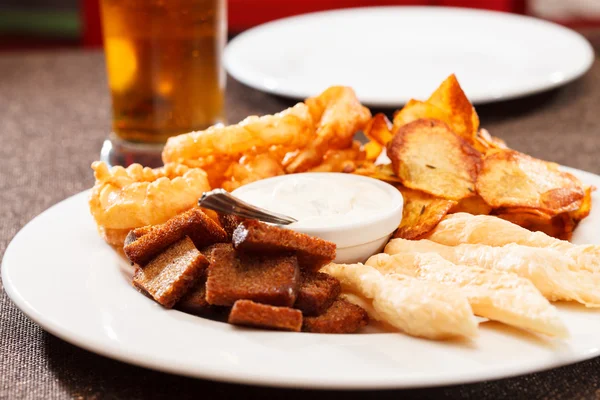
27	24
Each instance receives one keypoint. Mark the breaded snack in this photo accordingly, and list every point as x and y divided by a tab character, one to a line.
461	228
341	317
496	295
201	229
292	127
271	279
338	116
247	312
317	292
126	198
229	223
168	277
312	252
418	308
553	272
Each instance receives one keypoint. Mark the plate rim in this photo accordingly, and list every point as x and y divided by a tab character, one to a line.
241	74
224	375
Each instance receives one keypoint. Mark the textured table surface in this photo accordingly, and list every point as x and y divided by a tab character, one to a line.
54	115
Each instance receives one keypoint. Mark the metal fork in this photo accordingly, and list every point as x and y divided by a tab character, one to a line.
222	201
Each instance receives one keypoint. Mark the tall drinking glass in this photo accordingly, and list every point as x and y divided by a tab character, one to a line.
163	59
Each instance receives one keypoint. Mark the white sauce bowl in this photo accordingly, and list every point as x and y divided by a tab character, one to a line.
357	213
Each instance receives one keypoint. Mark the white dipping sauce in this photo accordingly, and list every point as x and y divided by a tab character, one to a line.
317	200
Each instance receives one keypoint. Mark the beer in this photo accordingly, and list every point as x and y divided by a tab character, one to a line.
163	59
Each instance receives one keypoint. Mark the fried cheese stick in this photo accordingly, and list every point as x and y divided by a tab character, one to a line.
497	295
463	228
424	309
550	271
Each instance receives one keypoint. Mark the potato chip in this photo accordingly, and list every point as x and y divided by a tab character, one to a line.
512	179
414	110
485	142
450	98
559	226
586	205
379	129
372	151
421	214
473	205
448	104
427	156
383	172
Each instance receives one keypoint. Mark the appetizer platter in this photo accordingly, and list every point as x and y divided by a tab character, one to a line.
432	254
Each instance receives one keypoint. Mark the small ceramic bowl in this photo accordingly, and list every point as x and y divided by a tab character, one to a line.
356	238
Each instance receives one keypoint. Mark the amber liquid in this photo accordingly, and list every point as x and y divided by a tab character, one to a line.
164	66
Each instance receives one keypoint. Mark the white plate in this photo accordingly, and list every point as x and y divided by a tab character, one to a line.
392	54
66	279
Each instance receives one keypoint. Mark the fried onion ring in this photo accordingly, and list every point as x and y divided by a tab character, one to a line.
126	198
292	127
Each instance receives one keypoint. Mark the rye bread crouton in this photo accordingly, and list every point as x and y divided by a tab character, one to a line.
249	313
168	277
317	292
232	276
194	223
257	237
341	317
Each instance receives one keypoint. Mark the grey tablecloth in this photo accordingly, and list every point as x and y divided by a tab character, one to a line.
54	115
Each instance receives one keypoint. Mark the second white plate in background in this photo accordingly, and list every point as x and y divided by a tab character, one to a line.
392	54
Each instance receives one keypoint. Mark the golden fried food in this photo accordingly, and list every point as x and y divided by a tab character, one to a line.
338	115
126	198
448	104
379	132
559	226
485	142
291	127
343	160
416	109
315	135
250	169
512	179
497	295
473	205
421	213
555	275
586	205
418	308
450	98
462	228
383	172
427	156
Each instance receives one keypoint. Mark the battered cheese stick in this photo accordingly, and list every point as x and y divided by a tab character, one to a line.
497	295
418	308
549	270
462	228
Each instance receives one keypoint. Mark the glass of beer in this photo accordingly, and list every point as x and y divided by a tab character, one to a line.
163	59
